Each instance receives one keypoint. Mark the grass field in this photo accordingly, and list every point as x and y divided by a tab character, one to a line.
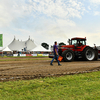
70	87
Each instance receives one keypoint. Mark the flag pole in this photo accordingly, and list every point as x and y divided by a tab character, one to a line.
2	51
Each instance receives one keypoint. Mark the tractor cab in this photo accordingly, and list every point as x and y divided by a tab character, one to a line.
78	41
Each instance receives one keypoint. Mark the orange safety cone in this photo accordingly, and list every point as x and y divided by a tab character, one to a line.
60	58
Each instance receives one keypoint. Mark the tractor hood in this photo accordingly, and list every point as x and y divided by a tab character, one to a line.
65	47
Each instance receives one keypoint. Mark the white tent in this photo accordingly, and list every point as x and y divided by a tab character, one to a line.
6	49
40	49
16	45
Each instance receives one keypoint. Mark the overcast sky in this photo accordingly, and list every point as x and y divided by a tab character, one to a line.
50	20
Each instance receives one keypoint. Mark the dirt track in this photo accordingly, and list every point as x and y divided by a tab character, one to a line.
30	68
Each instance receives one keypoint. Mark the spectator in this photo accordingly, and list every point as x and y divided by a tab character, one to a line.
55	50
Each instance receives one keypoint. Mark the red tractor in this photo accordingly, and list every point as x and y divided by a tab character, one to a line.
77	49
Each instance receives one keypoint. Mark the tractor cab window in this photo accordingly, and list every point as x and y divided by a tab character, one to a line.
74	42
78	42
81	42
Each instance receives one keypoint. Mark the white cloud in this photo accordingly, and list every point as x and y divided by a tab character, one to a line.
65	23
96	13
95	1
12	10
89	7
59	8
93	7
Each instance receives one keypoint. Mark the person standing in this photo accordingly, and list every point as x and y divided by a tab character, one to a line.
55	50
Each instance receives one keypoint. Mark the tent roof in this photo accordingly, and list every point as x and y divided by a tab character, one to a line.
6	49
16	45
40	48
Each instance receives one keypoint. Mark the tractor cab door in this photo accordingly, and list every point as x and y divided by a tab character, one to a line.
80	45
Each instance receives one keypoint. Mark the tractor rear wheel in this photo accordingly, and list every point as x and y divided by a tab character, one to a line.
68	55
89	54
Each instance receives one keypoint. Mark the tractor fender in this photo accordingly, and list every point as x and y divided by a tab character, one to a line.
85	48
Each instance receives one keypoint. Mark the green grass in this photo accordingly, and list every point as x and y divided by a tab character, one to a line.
70	87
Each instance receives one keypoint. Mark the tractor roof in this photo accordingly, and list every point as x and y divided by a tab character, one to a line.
76	38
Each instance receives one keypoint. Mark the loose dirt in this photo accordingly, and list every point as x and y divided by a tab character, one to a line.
31	68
